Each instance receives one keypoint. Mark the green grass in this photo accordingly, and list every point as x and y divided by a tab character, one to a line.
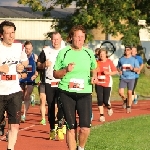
126	134
142	89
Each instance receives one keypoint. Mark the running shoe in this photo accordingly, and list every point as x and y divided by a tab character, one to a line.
102	119
64	129
136	99
23	118
52	134
110	112
43	122
60	134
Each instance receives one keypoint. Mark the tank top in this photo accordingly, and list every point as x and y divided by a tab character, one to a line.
31	68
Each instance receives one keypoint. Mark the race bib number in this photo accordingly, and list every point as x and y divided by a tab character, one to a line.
126	67
54	84
76	84
29	68
8	77
101	79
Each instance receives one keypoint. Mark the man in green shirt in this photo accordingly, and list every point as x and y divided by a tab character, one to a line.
73	66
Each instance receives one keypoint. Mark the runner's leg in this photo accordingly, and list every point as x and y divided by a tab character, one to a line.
42	103
14	115
27	98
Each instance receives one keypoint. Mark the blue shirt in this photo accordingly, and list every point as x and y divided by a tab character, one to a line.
31	68
140	61
124	65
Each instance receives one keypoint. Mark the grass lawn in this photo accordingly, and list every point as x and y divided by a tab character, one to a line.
143	87
126	134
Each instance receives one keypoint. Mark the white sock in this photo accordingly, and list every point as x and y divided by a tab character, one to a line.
80	148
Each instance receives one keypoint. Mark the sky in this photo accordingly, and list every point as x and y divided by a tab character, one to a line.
9	3
13	3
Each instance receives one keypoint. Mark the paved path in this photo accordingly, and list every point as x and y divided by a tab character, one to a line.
33	136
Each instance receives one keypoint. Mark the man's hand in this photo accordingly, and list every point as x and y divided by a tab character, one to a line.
22	75
139	72
33	77
4	68
120	72
70	67
19	67
131	68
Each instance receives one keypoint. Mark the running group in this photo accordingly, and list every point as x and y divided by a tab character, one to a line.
68	73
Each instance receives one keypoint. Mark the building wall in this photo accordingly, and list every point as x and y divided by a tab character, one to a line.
31	29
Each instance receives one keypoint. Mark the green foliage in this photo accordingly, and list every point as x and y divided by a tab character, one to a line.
113	16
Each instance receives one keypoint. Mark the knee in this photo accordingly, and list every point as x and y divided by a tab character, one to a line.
129	92
85	130
120	92
100	103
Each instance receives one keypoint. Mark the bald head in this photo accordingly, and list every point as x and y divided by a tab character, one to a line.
56	40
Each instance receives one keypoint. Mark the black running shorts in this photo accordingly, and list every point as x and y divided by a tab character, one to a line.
12	104
82	102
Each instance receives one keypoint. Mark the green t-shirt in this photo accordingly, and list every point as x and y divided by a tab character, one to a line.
79	79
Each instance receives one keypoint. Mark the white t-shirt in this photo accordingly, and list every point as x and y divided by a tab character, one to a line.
11	56
51	55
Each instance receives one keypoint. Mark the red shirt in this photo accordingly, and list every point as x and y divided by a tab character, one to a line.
105	80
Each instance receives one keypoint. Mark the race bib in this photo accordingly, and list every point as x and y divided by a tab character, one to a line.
54	84
8	77
29	68
126	67
101	79
76	84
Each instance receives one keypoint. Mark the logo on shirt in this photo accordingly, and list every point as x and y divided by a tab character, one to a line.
10	62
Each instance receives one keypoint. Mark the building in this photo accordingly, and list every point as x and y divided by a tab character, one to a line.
31	25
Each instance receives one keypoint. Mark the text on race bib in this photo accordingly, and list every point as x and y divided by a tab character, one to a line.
29	68
126	67
76	84
54	84
101	79
8	77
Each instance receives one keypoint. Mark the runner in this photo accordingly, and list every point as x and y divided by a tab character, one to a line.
73	66
103	87
28	83
140	60
47	60
127	66
12	62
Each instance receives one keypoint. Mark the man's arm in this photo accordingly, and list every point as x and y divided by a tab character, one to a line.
59	73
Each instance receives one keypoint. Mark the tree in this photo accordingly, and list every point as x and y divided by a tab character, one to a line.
113	16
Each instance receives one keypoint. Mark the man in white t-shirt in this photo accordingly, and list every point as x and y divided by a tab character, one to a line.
12	63
46	61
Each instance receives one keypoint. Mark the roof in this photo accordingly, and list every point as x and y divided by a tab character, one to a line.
26	12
